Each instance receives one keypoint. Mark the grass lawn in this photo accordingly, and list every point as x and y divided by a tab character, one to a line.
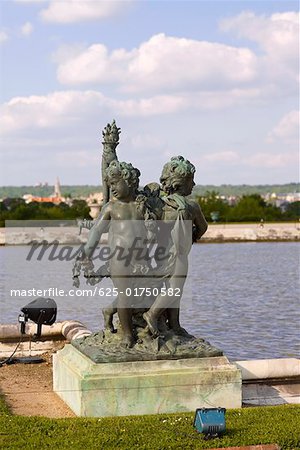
266	425
4	410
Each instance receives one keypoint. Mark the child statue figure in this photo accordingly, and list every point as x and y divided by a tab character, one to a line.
185	223
124	218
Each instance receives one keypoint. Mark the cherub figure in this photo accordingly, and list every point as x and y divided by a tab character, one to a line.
152	211
178	212
124	218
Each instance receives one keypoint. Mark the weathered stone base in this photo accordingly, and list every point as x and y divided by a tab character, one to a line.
144	387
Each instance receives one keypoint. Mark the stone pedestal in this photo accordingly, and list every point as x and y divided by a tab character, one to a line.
144	387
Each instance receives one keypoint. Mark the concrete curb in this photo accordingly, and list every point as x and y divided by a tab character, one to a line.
73	329
52	337
11	332
260	369
69	329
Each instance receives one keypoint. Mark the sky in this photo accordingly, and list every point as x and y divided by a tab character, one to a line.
214	81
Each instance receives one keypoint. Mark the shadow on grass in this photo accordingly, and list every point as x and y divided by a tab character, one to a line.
4	408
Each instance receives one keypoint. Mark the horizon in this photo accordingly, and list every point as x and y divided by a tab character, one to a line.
197	184
215	81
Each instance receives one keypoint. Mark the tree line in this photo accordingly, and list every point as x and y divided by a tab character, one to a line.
248	208
17	209
75	191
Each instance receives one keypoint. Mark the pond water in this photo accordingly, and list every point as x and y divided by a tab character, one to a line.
242	297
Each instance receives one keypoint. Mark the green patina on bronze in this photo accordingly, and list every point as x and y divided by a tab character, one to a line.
154	332
107	347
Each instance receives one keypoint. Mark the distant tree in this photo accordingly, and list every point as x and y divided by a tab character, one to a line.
292	211
43	205
253	208
11	203
2	207
17	209
63	206
80	209
211	204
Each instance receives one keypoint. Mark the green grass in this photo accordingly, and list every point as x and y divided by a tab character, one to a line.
265	425
4	409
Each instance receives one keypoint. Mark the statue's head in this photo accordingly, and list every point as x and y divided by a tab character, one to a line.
121	171
178	176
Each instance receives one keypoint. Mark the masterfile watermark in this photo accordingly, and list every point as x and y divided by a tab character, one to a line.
139	250
97	291
53	292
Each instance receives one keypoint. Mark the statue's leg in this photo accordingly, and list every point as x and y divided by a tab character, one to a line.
124	312
173	312
169	303
108	314
125	316
151	317
174	323
173	318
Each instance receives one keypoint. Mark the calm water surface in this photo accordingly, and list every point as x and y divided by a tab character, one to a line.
242	297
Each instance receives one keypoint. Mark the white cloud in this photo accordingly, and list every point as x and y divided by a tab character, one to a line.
65	127
162	63
27	29
277	35
3	36
54	109
62	108
287	129
278	31
273	160
70	11
227	156
259	160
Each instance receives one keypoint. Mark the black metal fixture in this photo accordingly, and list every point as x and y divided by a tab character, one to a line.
42	311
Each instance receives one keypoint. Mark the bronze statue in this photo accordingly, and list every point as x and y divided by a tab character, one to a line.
161	214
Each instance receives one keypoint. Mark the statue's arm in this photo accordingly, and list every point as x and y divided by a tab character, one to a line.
199	221
101	226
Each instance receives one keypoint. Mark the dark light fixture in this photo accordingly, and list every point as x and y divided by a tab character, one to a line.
42	311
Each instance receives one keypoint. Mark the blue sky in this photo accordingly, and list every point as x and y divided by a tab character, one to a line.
215	81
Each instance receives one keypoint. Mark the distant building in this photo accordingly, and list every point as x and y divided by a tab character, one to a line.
282	200
55	198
